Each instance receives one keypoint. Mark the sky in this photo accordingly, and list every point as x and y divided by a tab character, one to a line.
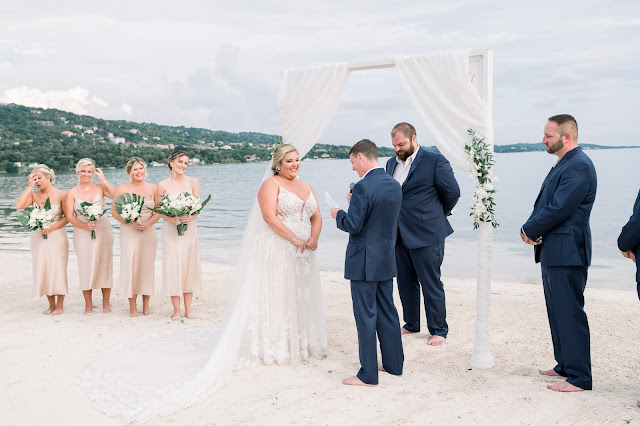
217	65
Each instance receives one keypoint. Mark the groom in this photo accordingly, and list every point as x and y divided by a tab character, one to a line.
370	263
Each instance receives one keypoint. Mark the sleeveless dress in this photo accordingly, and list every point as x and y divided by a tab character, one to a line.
138	256
95	257
50	258
277	317
181	269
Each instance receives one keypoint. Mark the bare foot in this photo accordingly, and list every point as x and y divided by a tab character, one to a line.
106	309
381	368
354	381
57	311
564	387
638	404
48	311
147	312
436	341
405	331
549	372
175	317
190	316
133	314
88	309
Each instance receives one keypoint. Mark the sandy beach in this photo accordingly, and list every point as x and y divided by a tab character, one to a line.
42	357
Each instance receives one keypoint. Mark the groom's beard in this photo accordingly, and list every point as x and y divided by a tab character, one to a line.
403	155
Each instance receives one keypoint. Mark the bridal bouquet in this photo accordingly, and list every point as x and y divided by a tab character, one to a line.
174	205
36	217
129	206
93	212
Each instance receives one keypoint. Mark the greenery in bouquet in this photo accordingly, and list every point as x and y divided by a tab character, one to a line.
129	206
93	212
183	204
35	217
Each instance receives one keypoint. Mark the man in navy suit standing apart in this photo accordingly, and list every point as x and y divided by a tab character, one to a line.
370	264
559	230
629	242
429	193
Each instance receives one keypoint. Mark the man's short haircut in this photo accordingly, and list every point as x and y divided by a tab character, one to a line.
405	128
567	124
366	148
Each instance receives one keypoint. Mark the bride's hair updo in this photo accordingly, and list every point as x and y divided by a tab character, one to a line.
278	156
46	171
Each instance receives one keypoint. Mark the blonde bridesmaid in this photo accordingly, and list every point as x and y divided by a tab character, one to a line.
95	257
50	256
138	240
181	273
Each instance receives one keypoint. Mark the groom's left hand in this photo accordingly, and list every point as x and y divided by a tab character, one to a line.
334	212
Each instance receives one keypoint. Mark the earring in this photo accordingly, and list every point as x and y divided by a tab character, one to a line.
277	169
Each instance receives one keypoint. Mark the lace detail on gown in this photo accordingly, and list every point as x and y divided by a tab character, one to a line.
277	317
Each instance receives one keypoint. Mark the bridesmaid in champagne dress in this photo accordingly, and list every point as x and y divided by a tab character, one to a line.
181	271
138	240
50	256
95	256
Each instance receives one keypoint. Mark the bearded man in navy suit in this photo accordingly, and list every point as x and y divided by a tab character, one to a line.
559	230
429	193
370	264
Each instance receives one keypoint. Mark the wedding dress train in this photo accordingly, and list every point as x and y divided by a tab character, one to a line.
277	317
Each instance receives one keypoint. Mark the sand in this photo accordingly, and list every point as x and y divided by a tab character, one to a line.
42	356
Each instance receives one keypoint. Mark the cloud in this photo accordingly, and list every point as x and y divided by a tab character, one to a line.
77	100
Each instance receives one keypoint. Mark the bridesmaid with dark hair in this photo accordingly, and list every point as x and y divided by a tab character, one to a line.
50	256
138	240
181	270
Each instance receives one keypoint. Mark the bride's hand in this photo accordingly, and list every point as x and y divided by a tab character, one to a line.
300	243
312	244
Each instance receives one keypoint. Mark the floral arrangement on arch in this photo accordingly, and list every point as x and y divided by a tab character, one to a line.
479	165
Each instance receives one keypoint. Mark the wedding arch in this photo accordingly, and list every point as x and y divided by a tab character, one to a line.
451	93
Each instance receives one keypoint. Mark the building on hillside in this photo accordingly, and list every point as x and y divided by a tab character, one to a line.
77	126
68	134
118	140
227	147
45	123
88	132
251	157
134	131
131	144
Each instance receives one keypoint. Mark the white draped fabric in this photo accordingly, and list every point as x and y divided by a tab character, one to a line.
439	89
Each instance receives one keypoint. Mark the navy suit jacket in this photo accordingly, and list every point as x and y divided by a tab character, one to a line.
371	224
562	210
629	238
428	195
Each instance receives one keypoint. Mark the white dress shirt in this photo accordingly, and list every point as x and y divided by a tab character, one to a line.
401	171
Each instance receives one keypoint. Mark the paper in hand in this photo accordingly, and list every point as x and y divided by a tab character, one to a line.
330	202
305	253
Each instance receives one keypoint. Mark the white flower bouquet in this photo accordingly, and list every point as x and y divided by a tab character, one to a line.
93	212
129	206
175	205
35	217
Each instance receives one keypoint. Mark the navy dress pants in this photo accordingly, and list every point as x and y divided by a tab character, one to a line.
564	295
422	266
376	314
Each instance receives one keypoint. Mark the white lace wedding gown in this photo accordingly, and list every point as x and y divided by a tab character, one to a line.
277	317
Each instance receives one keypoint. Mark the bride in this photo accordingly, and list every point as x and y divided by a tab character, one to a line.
276	317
